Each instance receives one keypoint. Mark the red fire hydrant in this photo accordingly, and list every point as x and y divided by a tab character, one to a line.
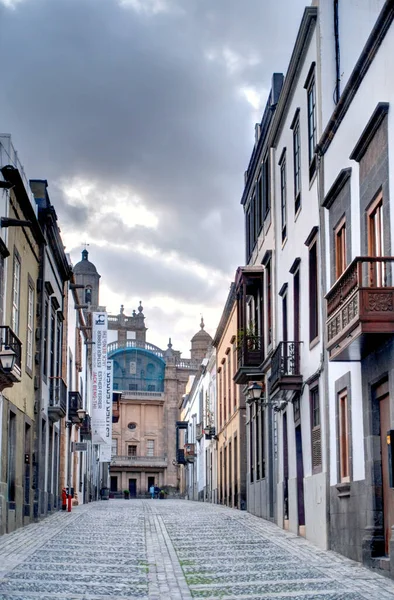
64	499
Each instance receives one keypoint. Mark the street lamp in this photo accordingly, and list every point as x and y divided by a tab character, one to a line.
81	412
255	393
7	359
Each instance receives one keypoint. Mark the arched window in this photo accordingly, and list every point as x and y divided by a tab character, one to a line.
88	295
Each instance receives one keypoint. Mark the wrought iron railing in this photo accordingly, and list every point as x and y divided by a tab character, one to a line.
58	394
8	340
285	361
250	351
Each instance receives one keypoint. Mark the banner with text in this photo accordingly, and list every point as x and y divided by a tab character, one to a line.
105	449
99	377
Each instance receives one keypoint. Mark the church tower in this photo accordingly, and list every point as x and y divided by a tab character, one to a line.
200	343
86	274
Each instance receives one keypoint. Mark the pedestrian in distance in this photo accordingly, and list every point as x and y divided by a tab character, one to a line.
157	491
152	491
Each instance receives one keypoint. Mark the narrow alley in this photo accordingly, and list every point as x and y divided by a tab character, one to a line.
179	550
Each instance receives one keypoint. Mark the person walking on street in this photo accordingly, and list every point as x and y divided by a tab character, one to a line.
152	491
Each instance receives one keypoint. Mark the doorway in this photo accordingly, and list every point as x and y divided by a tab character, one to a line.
114	483
300	482
151	481
388	492
285	474
133	488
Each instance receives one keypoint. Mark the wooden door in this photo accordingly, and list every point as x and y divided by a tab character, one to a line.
388	493
300	478
285	470
133	488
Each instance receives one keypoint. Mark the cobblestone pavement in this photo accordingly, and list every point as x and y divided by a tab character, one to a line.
177	550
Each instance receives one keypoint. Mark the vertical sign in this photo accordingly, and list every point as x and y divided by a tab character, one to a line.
105	449
99	377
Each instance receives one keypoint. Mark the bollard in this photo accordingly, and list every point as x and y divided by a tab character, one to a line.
69	500
64	499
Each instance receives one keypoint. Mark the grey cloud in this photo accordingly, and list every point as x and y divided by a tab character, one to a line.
93	90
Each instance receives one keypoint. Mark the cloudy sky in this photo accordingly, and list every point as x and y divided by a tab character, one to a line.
140	114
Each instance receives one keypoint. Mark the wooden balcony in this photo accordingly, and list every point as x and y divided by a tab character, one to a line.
285	368
74	405
360	309
250	355
57	399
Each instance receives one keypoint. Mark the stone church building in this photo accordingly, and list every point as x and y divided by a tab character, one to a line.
148	384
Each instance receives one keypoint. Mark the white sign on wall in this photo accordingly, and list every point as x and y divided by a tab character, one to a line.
99	377
105	449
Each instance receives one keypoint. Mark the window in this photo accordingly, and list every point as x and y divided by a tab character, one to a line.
150	447
297	166
16	294
283	198
52	346
313	293
88	295
133	387
30	323
59	349
114	447
265	189
224	388
344	470
316	430
376	242
340	248
269	302
46	333
132	450
132	426
151	388
229	382
311	92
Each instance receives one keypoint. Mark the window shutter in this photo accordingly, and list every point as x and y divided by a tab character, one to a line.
316	447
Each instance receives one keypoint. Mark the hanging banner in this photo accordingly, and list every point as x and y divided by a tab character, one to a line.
105	449
99	377
105	453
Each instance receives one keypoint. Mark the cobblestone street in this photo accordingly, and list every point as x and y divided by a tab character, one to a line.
151	549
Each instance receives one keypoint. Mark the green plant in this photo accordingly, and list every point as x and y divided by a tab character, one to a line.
248	335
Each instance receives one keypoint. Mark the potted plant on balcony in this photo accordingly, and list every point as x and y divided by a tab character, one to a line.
126	494
248	334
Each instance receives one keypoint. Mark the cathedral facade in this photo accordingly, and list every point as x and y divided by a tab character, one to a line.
148	385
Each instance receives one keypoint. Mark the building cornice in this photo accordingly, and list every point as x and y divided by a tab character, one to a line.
301	46
365	60
371	128
336	187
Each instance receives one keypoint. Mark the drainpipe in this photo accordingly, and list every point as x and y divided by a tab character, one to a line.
337	92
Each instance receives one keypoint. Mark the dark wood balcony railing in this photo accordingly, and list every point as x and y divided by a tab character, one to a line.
360	304
250	351
86	426
250	355
9	341
57	399
285	367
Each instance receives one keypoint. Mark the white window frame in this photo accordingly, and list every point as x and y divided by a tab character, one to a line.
16	287
30	328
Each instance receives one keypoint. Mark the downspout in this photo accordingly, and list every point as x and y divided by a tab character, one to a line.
337	93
